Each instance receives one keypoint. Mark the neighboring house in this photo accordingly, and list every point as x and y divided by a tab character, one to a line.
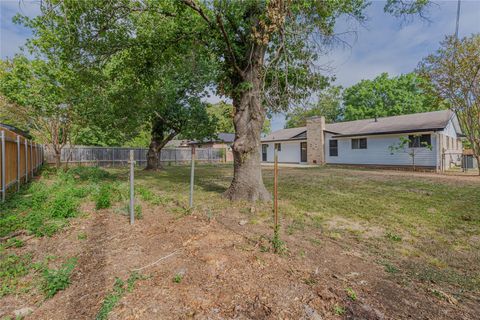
222	141
177	144
367	142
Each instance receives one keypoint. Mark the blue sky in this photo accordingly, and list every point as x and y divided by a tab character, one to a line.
383	44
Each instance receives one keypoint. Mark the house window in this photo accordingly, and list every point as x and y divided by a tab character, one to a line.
264	152
419	141
359	143
278	146
333	148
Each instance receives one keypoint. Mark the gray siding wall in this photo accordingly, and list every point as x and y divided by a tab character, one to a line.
378	152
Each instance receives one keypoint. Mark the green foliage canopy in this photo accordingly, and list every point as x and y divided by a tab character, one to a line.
329	105
385	96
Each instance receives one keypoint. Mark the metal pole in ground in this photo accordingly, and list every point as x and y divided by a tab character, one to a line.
275	188
4	187
192	175
31	157
132	193
18	163
26	161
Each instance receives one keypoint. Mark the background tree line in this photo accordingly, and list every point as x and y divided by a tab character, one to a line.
381	97
106	72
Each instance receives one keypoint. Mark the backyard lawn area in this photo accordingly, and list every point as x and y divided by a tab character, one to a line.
355	244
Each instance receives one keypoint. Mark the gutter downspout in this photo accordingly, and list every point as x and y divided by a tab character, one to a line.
439	163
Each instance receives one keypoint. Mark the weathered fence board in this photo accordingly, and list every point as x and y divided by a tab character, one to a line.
19	160
119	156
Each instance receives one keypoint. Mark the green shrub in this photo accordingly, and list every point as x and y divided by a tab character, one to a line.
55	280
64	204
103	197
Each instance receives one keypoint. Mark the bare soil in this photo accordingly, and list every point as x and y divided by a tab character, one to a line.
228	274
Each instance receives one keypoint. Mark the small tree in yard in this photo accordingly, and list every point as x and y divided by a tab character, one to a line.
40	95
454	71
411	145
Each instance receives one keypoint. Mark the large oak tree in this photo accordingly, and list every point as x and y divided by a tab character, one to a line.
266	50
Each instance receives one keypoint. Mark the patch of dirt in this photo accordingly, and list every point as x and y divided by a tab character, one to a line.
227	274
340	223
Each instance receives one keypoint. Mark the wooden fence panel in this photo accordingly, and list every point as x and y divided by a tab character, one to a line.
19	160
119	156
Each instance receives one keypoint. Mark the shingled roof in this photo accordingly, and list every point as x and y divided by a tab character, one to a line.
418	122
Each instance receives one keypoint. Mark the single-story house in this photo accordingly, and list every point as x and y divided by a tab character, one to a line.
177	144
220	141
370	142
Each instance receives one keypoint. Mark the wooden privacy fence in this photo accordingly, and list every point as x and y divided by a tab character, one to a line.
19	158
118	156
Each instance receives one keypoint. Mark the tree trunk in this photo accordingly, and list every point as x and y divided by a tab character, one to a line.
58	159
247	183
158	141
153	157
58	156
478	164
153	154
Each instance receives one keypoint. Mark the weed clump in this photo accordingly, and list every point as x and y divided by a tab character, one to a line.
89	173
117	293
12	267
103	197
178	278
351	294
55	280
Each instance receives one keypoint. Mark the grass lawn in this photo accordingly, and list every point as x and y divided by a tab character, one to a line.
416	225
422	230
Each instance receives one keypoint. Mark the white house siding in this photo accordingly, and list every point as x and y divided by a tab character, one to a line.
290	152
452	142
378	152
450	130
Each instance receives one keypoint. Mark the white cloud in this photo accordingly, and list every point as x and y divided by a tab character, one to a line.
388	46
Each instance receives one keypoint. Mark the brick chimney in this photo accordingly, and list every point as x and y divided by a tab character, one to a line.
316	140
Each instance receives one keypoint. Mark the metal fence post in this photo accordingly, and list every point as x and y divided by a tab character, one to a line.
26	161
132	193
192	175
4	187
275	188
18	163
31	157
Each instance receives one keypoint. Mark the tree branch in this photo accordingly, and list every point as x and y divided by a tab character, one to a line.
194	6
229	45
